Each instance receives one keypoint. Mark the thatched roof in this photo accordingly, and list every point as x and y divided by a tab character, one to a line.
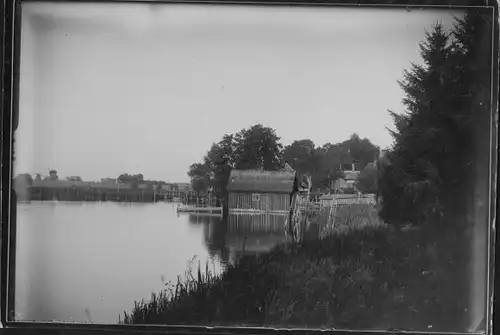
261	181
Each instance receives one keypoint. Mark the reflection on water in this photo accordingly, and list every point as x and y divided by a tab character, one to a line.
228	239
91	261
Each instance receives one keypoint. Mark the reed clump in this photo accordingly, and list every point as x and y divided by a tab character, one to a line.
363	274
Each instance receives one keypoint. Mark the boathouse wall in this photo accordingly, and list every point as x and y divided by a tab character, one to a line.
266	202
261	191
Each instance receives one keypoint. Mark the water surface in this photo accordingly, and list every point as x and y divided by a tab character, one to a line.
89	262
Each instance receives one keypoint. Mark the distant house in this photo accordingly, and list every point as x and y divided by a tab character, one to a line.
348	182
261	191
340	184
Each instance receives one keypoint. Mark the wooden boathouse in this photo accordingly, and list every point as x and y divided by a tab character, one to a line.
259	191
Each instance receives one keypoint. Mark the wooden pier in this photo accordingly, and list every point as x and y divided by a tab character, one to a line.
207	210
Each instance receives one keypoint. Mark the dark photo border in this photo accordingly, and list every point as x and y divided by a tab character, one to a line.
10	59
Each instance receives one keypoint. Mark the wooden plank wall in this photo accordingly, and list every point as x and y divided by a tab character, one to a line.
268	201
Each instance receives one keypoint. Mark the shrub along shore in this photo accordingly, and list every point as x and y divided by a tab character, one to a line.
364	275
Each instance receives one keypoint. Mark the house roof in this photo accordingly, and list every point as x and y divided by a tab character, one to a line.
351	175
261	181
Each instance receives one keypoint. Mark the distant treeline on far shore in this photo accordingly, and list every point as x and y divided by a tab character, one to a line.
124	188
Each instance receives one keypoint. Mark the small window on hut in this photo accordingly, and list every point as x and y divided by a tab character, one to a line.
256	197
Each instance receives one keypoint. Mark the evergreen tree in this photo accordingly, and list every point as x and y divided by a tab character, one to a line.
410	191
473	47
440	141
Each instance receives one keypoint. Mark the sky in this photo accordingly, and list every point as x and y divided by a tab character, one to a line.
117	88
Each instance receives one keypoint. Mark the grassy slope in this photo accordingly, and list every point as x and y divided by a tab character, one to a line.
366	277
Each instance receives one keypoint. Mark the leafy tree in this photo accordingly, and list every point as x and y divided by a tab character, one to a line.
305	158
21	183
302	156
362	151
257	148
124	178
367	179
200	178
220	160
336	158
28	178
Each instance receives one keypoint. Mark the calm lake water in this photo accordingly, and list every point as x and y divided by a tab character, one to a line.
89	262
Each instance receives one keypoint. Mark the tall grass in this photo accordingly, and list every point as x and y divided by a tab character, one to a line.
173	297
362	275
348	218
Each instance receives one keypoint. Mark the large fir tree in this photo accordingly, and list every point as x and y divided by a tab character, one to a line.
440	141
425	142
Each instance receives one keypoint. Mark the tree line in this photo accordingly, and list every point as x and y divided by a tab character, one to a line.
437	168
132	179
259	147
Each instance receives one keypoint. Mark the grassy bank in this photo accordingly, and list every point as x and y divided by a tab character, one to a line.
365	275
